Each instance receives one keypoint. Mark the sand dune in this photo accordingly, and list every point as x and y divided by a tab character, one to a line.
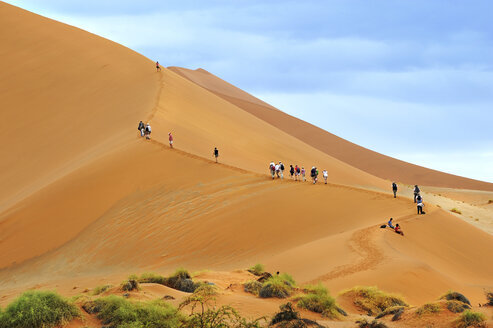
369	161
86	200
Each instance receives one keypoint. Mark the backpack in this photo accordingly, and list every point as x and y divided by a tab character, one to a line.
394	186
282	167
297	170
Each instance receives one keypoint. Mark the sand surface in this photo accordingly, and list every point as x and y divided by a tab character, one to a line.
86	201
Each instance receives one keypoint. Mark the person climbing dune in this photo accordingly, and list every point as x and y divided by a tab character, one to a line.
170	140
303	173
148	131
216	153
420	204
314	174
325	175
416	192
141	128
158	67
291	171
394	189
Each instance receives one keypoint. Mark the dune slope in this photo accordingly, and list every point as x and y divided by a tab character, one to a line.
366	160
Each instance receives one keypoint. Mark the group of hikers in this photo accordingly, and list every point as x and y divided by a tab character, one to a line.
296	172
418	200
145	131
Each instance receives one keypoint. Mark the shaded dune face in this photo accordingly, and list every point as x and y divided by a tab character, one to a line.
85	196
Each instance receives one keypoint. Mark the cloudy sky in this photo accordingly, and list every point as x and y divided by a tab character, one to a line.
408	78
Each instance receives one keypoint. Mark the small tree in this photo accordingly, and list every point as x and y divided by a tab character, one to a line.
205	314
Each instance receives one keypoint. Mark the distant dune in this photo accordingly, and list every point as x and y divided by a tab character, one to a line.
86	200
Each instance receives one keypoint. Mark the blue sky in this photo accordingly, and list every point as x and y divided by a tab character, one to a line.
408	78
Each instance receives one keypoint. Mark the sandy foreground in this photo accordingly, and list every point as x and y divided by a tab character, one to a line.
85	201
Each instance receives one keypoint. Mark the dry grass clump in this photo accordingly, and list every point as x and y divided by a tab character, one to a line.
396	311
38	309
489	297
280	286
253	287
100	289
451	295
132	283
470	319
318	300
454	210
428	308
257	269
455	306
288	317
181	280
151	278
373	300
364	323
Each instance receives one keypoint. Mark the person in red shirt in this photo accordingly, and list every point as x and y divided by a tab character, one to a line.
158	67
170	140
398	229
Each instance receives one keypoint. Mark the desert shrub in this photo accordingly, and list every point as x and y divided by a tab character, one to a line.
286	313
318	300
428	308
470	319
181	280
132	283
490	201
454	210
257	269
210	316
252	287
279	286
364	323
390	310
455	306
41	309
119	312
489	297
451	295
373	300
151	278
100	289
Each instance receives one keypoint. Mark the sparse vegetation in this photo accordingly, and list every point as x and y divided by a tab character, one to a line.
208	316
253	287
470	319
364	323
132	283
117	312
257	269
455	306
490	201
100	289
318	300
373	300
182	280
489	297
151	278
288	317
428	308
394	310
38	309
454	210
451	295
280	286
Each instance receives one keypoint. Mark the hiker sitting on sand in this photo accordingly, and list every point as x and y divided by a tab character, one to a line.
390	223
398	230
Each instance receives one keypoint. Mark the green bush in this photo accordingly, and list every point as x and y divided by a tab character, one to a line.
253	287
257	269
451	295
318	300
364	323
151	278
119	312
457	306
428	308
470	319
132	283
41	309
182	280
280	286
100	289
373	300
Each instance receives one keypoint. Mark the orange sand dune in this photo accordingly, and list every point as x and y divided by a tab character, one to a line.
369	161
86	199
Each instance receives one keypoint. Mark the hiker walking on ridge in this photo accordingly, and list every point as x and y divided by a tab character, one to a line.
314	174
297	171
148	131
303	172
291	171
420	205
278	170
325	175
170	139
141	128
216	153
394	189
281	170
272	168
416	192
158	67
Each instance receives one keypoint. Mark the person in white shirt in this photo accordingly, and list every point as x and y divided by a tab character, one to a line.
272	168
325	175
278	168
